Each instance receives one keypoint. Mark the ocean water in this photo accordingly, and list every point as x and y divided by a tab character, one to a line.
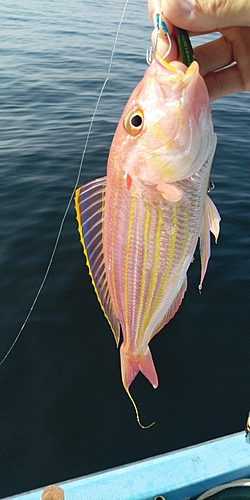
64	412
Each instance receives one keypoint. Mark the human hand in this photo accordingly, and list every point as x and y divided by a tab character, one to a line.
232	20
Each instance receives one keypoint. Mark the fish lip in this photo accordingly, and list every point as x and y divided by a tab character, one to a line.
178	67
162	61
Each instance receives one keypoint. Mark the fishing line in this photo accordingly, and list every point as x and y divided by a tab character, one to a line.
75	186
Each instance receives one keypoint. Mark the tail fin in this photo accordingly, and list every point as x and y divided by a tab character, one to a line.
130	367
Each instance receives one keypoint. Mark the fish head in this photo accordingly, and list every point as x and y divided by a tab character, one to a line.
165	133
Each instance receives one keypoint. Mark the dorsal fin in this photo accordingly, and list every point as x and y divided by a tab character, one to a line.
89	204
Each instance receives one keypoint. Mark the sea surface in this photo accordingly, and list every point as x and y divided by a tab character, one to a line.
64	412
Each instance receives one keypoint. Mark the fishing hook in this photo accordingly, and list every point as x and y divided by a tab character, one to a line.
159	24
211	186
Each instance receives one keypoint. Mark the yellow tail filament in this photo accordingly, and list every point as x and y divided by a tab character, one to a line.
137	413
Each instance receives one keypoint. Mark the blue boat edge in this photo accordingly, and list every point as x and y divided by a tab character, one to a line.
177	475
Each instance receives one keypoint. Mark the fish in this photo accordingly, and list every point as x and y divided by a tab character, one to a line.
140	224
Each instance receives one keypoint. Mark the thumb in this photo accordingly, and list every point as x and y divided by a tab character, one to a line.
203	15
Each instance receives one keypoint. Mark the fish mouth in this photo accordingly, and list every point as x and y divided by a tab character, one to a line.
173	66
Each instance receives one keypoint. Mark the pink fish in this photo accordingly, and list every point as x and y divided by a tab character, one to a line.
140	224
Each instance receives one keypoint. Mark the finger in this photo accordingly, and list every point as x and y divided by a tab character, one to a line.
224	82
233	46
204	15
198	33
154	7
213	55
240	42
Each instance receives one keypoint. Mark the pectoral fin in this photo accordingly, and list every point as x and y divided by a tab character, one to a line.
210	222
169	191
89	204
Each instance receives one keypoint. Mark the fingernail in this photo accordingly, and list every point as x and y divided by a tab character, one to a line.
185	7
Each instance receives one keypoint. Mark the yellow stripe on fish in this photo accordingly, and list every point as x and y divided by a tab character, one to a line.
127	255
165	276
144	263
151	289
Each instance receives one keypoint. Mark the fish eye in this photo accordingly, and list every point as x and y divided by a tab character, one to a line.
133	121
136	121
